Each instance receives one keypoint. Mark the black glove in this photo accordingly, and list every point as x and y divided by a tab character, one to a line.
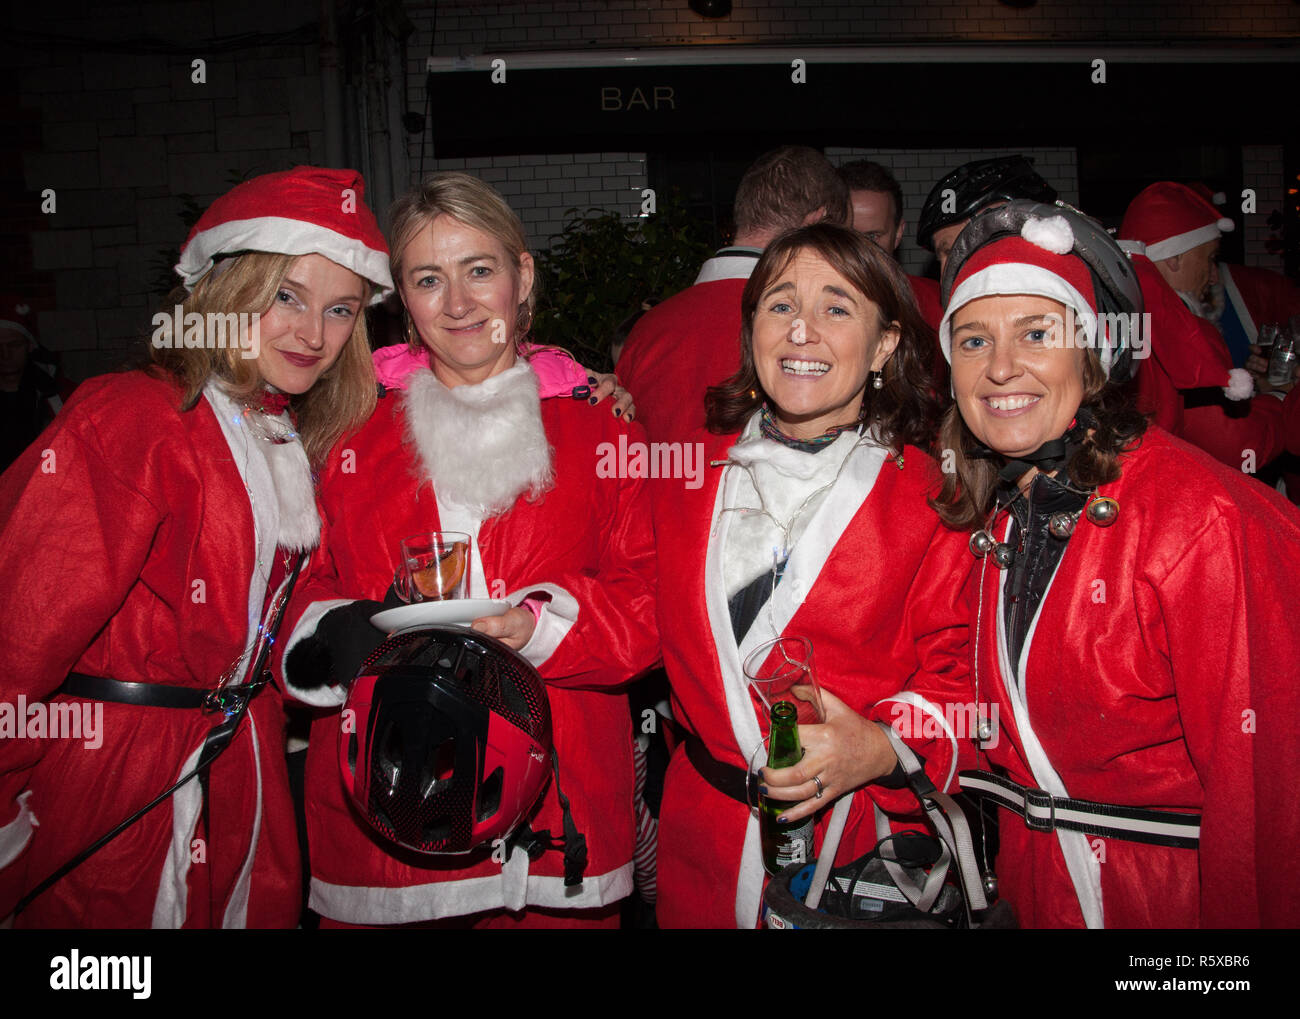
344	638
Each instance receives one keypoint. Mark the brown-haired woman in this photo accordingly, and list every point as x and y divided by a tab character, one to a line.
814	527
1132	621
142	536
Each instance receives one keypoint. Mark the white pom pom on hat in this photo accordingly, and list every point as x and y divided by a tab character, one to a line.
1240	385
1052	234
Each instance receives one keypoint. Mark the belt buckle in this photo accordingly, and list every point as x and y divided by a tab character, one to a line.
231	699
1038	799
225	699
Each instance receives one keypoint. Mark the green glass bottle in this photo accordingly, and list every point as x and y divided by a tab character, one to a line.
783	844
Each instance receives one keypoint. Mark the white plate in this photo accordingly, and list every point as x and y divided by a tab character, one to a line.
462	611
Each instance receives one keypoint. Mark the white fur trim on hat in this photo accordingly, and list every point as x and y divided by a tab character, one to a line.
1179	243
1240	385
1007	278
284	236
1051	233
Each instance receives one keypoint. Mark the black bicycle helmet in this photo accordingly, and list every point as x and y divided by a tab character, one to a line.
974	186
1114	280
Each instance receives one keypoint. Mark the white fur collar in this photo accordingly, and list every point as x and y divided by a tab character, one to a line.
294	491
482	446
295	524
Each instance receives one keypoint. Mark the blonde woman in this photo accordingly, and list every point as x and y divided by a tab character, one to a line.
141	538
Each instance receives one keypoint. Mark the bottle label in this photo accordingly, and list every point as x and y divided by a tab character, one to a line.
795	845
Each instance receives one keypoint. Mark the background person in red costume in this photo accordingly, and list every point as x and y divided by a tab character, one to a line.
469	446
815	527
1132	614
1188	383
691	341
142	534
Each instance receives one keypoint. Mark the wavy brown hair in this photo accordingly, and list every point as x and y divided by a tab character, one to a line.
906	409
966	497
340	401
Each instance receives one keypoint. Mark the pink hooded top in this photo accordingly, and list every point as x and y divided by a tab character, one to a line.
558	374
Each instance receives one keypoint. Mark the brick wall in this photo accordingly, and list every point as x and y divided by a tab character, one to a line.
542	188
1262	170
126	133
918	170
471	27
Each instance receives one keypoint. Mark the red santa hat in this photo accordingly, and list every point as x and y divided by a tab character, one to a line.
1039	263
16	314
1167	219
304	211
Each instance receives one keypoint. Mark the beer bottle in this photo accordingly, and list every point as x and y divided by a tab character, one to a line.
783	844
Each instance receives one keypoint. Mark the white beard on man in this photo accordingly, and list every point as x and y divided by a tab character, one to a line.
482	446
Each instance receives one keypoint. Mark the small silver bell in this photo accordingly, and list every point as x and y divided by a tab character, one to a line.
1061	525
1103	511
1004	555
981	544
990	886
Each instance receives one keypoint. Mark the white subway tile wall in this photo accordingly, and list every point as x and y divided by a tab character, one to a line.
918	170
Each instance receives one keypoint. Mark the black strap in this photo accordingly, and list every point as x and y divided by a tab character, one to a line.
233	700
151	695
535	843
735	783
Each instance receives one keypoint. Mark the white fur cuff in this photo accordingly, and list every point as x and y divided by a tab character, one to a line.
556	619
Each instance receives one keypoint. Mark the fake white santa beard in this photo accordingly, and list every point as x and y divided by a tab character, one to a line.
1211	310
482	446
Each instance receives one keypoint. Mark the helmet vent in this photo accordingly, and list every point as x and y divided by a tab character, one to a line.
440	768
489	795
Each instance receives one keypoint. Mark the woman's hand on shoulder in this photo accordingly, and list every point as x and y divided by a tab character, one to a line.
845	752
608	385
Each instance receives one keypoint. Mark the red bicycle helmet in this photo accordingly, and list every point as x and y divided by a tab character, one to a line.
451	742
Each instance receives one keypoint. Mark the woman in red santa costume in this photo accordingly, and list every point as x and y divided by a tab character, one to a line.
1132	618
809	522
143	534
469	446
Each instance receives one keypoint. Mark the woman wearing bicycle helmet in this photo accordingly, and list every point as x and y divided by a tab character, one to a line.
1130	613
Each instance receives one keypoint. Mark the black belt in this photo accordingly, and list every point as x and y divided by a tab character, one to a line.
1045	812
735	783
155	695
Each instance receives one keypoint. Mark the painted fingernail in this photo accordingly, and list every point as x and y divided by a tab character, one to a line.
591	380
618	411
762	790
592	401
781	819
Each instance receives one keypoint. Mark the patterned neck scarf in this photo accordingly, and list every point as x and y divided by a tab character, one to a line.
768	426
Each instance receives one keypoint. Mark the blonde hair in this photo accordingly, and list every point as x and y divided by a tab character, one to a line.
472	202
340	401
